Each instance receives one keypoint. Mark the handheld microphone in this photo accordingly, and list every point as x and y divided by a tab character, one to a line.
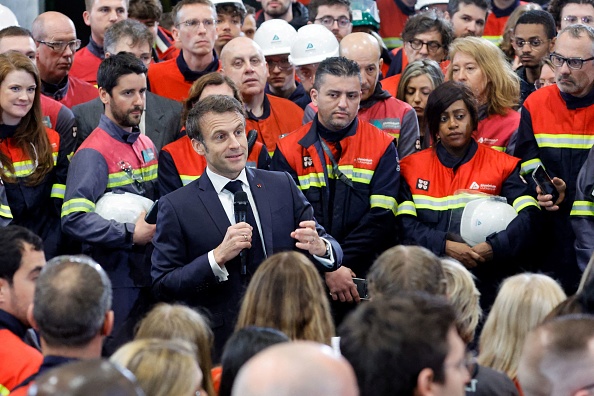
240	205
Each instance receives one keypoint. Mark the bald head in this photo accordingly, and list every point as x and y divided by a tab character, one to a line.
364	49
243	62
238	43
296	369
50	23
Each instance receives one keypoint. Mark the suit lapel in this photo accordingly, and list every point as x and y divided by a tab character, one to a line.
153	118
212	203
261	198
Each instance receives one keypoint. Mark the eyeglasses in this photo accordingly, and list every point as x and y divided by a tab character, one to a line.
281	64
432	46
469	363
572	63
328	21
307	72
194	24
126	167
587	387
571	19
538	84
60	46
533	43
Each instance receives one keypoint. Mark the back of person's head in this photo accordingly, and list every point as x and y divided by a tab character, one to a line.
95	377
116	66
162	367
13	242
72	302
443	97
464	297
286	293
198	87
134	32
454	5
241	347
296	369
402	269
539	17
523	301
168	322
337	66
390	341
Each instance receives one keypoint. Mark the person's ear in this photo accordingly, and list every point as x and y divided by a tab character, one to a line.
552	44
198	147
31	318
3	290
104	96
107	324
87	18
314	96
425	383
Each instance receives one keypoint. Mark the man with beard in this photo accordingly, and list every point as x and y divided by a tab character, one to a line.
534	39
468	17
291	11
116	158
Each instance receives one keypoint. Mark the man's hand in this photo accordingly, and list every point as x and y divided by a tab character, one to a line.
546	201
463	253
308	239
484	250
237	238
143	231
341	285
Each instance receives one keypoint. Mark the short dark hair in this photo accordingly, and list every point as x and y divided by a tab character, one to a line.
581	328
72	296
116	66
231	9
426	22
390	341
182	3
130	29
15	31
454	5
13	240
145	10
219	104
315	4
241	347
442	97
337	66
539	17
556	6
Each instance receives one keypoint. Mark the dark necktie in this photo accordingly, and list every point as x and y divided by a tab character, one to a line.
256	253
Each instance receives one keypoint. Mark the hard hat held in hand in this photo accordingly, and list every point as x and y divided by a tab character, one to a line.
314	43
275	37
483	217
122	207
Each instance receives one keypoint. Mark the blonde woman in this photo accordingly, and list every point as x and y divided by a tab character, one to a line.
523	302
168	322
162	367
481	66
286	293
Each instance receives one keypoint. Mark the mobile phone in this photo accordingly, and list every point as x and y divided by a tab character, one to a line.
544	181
151	215
361	284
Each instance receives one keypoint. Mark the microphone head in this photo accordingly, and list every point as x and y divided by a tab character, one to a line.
240	200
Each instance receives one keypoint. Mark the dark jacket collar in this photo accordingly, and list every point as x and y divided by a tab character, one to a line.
377	95
315	132
118	133
505	11
406	10
265	113
191	75
55	91
574	103
12	324
7	131
300	16
452	162
95	49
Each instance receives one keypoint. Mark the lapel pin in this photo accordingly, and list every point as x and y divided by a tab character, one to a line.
259	185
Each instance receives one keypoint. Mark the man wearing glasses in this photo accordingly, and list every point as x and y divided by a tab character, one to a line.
534	39
55	36
569	12
195	32
557	131
333	14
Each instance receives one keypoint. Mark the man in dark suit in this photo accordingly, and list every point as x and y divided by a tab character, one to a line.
197	242
161	121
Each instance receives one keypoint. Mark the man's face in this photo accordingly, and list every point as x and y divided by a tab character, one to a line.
249	26
370	66
246	66
23	44
423	41
575	82
469	20
276	8
225	144
15	298
102	15
152	25
198	39
54	65
456	373
536	44
333	17
141	50
337	101
228	27
125	104
307	75
574	13
281	72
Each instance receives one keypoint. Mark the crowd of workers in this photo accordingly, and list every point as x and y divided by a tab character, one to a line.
436	158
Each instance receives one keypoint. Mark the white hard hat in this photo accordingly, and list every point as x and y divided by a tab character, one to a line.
483	217
314	43
426	3
275	37
239	3
7	17
123	208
